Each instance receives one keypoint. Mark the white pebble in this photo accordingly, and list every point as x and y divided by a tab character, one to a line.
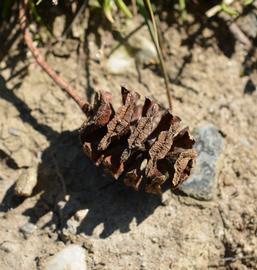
71	257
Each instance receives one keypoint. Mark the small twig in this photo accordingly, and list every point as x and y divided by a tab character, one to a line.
236	31
213	11
239	35
233	27
223	219
232	259
227	260
83	104
155	37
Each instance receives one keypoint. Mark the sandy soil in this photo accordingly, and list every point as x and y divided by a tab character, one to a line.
124	229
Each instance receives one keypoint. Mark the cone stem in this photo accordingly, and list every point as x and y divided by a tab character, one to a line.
65	86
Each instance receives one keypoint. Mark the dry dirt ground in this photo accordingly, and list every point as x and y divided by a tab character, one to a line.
123	229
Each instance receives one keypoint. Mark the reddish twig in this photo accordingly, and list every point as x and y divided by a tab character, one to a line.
42	63
236	31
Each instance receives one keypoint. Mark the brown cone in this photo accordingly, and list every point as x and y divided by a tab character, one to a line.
145	146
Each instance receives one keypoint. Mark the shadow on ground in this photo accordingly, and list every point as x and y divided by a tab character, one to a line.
65	172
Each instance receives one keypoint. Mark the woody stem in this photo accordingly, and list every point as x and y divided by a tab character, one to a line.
64	85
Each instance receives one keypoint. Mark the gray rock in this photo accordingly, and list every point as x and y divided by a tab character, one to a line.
202	182
71	257
27	229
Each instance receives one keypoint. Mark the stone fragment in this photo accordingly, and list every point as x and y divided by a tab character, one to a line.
72	257
27	229
26	182
202	182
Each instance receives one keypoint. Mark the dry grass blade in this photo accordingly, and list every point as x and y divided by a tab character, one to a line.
155	36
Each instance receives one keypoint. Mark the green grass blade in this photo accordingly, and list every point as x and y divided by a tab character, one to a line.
122	6
107	8
182	9
230	11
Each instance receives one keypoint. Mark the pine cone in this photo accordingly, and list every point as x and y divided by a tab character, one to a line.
143	145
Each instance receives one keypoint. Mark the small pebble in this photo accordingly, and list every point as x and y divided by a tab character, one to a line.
72	257
120	62
154	240
8	247
27	229
14	131
26	182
